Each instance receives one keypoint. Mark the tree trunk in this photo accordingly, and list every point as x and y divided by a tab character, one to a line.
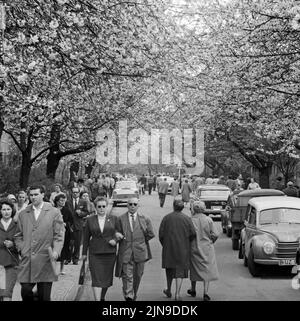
25	170
264	176
53	156
53	160
1	128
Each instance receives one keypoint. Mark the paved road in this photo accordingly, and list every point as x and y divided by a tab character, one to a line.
235	281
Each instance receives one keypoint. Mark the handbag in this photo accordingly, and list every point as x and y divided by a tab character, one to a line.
82	273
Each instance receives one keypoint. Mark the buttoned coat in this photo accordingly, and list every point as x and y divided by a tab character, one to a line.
140	247
94	240
8	257
33	237
78	219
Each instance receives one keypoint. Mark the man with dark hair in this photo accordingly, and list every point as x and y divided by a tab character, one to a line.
163	187
40	227
82	187
150	184
279	183
176	233
79	210
143	182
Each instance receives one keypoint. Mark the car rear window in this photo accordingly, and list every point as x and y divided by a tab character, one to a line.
125	185
279	215
218	193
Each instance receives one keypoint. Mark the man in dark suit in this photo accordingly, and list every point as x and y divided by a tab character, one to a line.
163	187
134	249
79	210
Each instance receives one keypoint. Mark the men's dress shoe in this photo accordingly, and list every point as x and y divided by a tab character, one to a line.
167	293
128	299
75	262
191	293
102	299
206	297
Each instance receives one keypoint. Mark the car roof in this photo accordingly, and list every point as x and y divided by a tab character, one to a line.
214	187
266	202
260	192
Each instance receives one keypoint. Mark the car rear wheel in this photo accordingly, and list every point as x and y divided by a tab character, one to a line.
114	204
245	260
241	252
224	229
253	267
235	244
229	232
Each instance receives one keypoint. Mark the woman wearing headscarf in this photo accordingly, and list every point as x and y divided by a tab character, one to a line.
185	191
203	265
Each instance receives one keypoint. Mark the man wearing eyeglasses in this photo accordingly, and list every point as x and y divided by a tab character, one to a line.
134	249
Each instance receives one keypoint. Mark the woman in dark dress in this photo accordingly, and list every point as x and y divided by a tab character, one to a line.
59	202
9	259
100	238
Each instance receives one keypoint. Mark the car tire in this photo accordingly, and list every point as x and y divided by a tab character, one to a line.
235	244
114	204
245	260
224	230
241	254
253	267
229	232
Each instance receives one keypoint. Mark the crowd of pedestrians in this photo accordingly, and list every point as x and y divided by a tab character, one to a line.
39	228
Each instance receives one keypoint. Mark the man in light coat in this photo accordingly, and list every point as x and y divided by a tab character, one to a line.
40	226
163	187
134	249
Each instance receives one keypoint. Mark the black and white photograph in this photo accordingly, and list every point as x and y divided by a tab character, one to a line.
150	152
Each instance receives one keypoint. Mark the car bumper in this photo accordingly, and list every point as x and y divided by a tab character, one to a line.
124	199
280	262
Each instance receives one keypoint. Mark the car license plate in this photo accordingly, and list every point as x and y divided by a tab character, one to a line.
287	262
216	207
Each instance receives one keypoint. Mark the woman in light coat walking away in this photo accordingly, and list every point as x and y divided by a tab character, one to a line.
185	191
175	188
203	265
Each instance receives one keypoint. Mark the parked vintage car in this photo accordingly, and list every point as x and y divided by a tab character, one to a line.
214	196
123	191
236	211
272	232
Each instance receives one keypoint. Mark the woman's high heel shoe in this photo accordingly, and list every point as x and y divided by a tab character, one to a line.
191	292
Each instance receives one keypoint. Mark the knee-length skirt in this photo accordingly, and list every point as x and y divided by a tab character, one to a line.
102	269
11	273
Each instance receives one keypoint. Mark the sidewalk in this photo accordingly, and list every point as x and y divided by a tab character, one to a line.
65	289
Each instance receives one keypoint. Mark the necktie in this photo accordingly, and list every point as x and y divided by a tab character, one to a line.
132	221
